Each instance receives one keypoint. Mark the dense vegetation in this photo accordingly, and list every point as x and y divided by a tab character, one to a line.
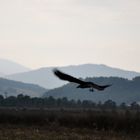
50	102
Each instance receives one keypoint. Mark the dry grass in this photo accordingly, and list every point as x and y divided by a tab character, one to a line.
68	125
10	132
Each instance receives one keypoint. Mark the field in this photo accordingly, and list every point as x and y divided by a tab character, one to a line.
64	124
43	133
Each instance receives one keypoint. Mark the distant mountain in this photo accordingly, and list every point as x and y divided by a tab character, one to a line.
45	78
8	67
122	90
14	88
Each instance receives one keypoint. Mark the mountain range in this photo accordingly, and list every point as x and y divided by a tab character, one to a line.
45	77
13	88
122	90
19	79
8	67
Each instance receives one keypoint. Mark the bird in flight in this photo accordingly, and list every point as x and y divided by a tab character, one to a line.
82	84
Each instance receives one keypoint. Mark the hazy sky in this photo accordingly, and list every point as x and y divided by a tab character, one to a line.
40	33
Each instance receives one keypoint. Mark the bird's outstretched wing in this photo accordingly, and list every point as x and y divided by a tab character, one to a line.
67	77
98	87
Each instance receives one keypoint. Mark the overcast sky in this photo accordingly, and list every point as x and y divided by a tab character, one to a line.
41	33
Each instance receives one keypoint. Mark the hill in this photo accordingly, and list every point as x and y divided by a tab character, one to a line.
8	67
122	90
13	88
45	78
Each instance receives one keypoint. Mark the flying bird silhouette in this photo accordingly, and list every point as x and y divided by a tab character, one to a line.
82	84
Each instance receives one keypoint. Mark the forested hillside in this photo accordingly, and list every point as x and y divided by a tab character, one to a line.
122	90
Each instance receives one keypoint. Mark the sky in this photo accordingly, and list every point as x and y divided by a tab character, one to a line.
43	33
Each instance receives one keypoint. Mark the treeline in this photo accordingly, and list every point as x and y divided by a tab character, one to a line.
50	102
54	113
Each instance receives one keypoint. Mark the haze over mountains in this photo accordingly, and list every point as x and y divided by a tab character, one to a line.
13	88
125	89
45	77
8	67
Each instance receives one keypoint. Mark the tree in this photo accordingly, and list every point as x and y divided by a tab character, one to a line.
109	104
1	99
134	106
123	105
87	103
11	101
20	96
79	103
51	101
